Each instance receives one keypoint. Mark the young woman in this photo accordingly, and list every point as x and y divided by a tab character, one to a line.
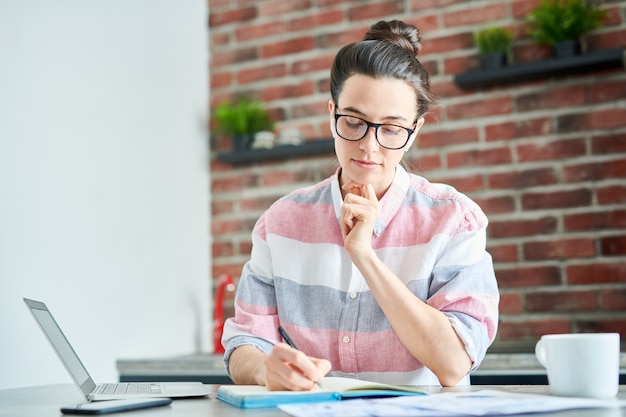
374	273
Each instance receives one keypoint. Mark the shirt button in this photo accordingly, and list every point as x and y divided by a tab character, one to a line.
346	339
353	295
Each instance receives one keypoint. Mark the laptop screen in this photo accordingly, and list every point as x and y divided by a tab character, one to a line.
61	346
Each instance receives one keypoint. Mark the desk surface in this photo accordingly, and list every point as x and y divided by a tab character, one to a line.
46	401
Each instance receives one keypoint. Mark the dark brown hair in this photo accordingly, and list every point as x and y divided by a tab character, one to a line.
389	49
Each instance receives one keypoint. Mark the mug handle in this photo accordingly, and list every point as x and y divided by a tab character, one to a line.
540	353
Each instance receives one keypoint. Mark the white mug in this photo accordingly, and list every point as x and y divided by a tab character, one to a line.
581	364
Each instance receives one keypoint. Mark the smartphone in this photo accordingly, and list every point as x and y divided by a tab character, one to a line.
114	406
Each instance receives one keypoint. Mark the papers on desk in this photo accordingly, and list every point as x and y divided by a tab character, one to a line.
449	404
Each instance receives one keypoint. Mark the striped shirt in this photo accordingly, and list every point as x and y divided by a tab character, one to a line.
300	277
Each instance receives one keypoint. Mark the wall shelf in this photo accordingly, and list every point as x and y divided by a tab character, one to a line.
308	148
593	61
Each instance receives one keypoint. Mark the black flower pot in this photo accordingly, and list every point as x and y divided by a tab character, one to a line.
493	60
241	142
566	49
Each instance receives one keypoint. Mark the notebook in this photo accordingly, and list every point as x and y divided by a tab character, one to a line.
334	389
113	391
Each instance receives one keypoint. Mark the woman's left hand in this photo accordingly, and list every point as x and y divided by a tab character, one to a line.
358	215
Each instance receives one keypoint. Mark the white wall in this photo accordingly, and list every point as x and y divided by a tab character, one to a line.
104	199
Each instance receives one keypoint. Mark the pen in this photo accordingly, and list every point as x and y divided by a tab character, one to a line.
291	343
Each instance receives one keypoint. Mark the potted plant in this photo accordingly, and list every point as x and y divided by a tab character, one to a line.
562	23
241	120
493	44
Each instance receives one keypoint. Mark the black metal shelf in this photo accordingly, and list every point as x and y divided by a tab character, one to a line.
593	61
309	148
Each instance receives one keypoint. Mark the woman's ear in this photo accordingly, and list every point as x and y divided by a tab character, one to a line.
331	110
418	126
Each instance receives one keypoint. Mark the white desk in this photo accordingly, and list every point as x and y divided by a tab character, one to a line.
46	401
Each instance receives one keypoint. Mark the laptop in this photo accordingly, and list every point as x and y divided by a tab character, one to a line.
113	391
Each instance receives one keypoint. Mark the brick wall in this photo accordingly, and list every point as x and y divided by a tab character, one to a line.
545	159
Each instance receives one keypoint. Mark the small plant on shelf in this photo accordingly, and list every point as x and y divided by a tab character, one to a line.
493	44
241	121
562	23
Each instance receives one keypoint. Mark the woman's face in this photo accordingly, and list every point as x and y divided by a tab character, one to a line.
386	100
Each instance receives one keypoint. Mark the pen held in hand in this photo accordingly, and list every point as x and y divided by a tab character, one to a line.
291	343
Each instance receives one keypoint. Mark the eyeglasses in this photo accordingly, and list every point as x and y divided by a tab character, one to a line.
388	136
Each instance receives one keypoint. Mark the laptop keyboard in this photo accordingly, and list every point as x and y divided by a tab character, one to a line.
129	388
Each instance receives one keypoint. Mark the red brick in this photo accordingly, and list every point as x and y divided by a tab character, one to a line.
523	179
251	32
426	23
225	227
310	109
456	65
465	184
549	99
599	119
559	249
262	73
245	248
528	227
282	7
609	144
446	88
503	253
233	56
613	245
603	325
518	129
496	205
556	301
232	183
557	199
599	220
419	5
612	194
339	39
278	92
531	52
441	138
475	15
480	108
613	39
527	276
521	8
597	273
282	176
221	207
559	149
595	171
315	20
317	63
219	80
288	47
532	329
258	204
423	163
375	10
510	303
613	299
232	16
608	91
494	156
448	43
222	249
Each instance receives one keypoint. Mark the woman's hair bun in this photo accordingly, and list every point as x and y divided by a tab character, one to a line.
398	33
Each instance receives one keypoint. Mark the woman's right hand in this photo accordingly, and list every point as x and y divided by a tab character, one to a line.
290	369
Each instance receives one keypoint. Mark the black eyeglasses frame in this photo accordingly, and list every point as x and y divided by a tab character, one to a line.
375	126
